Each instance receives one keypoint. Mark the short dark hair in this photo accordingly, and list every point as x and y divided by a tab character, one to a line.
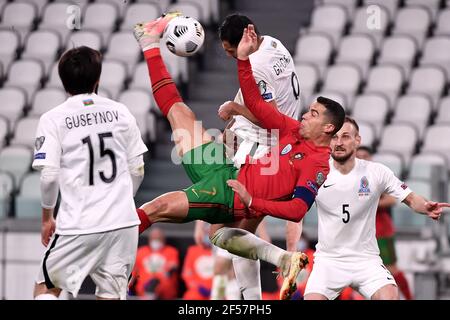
353	122
233	27
80	69
335	112
365	148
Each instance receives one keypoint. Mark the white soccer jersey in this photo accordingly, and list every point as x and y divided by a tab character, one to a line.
91	139
274	71
347	206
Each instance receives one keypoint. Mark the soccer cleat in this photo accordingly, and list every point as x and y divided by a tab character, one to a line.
148	34
298	261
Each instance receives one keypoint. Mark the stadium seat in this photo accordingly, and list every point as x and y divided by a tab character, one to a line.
367	133
205	7
120	5
334	95
344	78
53	78
377	31
428	80
13	104
39	5
44	53
101	17
6	189
56	18
436	52
104	93
139	12
47	99
25	131
8	50
314	48
19	16
348	5
308	77
28	201
329	19
414	21
4	131
428	166
391	160
390	5
123	47
189	9
399	138
17	161
139	104
443	23
385	79
91	39
431	5
443	115
404	218
163	4
372	108
25	74
414	109
436	140
113	77
400	50
357	49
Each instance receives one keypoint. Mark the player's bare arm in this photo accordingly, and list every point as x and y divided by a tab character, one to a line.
231	108
421	205
48	226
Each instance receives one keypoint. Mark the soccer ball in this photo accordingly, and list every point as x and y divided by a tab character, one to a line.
184	36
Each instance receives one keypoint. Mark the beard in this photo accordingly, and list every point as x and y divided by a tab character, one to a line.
343	158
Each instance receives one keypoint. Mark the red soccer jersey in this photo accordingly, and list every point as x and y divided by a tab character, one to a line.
297	168
384	224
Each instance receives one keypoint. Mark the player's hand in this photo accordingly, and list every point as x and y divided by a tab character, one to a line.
248	43
434	209
47	230
227	110
240	189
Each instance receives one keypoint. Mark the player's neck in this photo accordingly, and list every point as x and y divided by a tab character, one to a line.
346	166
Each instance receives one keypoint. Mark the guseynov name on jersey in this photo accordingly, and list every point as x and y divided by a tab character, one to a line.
91	118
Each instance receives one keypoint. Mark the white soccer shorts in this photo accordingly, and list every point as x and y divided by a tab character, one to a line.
108	257
330	276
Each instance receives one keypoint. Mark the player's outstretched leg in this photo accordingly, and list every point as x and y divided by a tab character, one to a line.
245	244
188	134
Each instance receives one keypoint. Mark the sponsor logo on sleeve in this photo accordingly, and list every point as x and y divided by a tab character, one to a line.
40	155
39	142
262	85
404	186
312	185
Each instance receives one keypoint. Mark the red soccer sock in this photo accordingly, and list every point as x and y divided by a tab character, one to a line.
145	221
403	285
164	90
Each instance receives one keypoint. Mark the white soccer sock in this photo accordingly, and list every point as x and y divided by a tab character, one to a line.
232	291
46	296
247	245
219	285
248	277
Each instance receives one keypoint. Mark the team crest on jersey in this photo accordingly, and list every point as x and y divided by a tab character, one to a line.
273	44
39	142
320	178
364	189
286	149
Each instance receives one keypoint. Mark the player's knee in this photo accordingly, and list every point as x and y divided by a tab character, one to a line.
222	237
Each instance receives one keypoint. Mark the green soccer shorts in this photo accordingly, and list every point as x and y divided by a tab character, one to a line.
210	198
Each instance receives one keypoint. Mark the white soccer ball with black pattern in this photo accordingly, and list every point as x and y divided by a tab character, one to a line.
184	36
